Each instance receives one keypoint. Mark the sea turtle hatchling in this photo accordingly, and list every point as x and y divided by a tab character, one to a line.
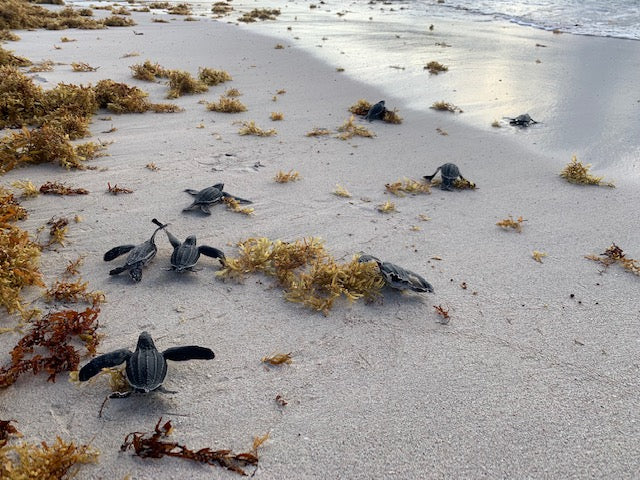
449	172
523	120
398	277
138	257
185	254
146	367
209	196
376	112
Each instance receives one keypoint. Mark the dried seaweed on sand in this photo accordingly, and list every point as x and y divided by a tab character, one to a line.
307	273
155	445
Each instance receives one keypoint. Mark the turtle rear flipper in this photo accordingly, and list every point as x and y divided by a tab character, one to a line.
205	208
115	252
212	252
193	206
107	360
190	352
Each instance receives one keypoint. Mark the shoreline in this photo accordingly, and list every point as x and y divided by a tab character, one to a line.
521	381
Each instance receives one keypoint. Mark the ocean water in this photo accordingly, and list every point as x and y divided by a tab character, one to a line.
602	18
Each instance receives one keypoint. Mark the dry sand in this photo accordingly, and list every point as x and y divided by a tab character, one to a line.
535	376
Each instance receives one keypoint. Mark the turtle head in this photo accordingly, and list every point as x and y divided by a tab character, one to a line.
190	240
136	274
367	258
219	186
145	341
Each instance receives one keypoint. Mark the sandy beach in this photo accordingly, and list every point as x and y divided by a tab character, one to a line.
536	374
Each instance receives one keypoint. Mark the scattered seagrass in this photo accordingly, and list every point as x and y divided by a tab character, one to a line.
148	71
577	172
234	205
43	461
285	177
83	67
307	273
73	292
349	130
277	359
55	334
181	82
340	191
387	207
58	188
20	257
154	446
614	254
446	107
250	128
509	222
116	190
28	188
407	185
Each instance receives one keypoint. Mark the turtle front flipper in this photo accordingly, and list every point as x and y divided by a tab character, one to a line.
237	199
119	270
212	252
115	252
107	360
191	191
402	279
193	206
190	352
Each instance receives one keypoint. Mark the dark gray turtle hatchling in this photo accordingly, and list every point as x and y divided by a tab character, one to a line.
209	196
186	254
138	257
376	112
146	367
523	120
449	172
398	277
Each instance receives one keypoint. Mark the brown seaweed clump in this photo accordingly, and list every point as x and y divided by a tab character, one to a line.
227	105
149	71
155	446
577	172
435	67
53	334
8	58
46	144
19	257
58	188
446	107
120	97
614	254
73	292
43	461
509	222
250	128
407	185
179	9
286	177
213	77
221	9
118	21
259	14
181	82
308	274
